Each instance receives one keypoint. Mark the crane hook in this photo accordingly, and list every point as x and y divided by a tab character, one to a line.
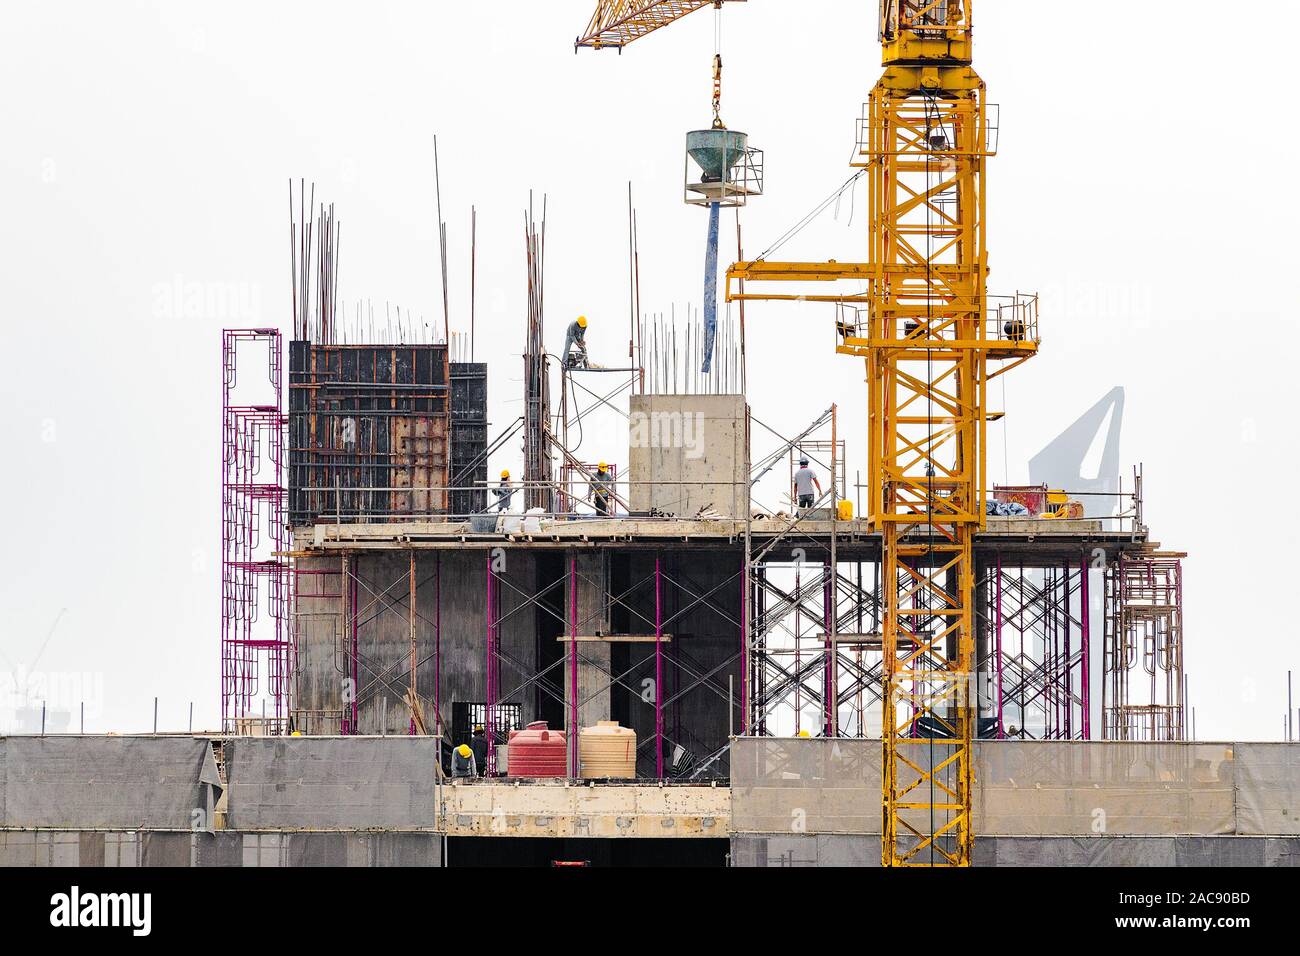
717	91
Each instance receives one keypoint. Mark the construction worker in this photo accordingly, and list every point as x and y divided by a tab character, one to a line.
462	763
575	344
504	491
804	481
602	487
807	760
478	746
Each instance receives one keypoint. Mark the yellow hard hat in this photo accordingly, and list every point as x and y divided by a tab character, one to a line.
296	733
505	472
463	750
602	466
582	321
804	733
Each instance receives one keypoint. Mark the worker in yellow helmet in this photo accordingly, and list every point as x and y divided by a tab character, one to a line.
575	344
462	763
803	733
602	488
504	491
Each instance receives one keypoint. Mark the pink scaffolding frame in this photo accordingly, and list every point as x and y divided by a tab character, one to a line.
255	571
659	669
1144	639
491	683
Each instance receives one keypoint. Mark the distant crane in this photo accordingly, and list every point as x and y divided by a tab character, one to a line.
923	322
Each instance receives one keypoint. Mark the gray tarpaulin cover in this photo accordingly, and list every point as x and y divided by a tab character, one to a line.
1268	788
127	783
1026	788
843	849
330	783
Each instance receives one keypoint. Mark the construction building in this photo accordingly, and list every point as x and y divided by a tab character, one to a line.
918	669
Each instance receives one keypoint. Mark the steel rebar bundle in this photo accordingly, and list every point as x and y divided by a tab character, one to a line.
538	463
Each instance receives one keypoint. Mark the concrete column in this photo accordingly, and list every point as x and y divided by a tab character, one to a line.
593	656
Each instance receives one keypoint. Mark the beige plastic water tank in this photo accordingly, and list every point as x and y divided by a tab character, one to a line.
607	750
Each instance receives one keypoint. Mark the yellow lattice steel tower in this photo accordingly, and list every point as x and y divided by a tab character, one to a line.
926	141
921	318
928	332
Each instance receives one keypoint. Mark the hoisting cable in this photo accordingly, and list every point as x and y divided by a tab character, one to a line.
711	237
817	211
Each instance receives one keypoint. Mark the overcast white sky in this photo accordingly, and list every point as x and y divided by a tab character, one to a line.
1141	188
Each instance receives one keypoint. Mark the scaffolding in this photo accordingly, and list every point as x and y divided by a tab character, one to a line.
256	632
1034	671
376	655
816	654
594	601
1037	613
1144	687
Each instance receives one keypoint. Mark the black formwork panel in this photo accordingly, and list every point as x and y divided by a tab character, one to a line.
369	431
468	437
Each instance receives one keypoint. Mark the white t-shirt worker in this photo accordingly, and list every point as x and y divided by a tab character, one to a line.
804	482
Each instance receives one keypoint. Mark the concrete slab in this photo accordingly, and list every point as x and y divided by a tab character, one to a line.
556	810
405	532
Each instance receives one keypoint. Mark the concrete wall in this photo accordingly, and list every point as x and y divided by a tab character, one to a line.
592	574
698	440
705	639
450	590
318	613
129	801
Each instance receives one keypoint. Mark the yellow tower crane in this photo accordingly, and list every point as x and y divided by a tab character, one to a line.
919	314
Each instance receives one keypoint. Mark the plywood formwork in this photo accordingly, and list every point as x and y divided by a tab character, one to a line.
369	431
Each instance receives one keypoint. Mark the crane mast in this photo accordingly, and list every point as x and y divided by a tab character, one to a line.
926	142
920	317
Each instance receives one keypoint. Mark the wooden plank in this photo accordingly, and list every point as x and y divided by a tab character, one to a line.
617	638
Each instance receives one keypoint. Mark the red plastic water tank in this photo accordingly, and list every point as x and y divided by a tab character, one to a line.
536	751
